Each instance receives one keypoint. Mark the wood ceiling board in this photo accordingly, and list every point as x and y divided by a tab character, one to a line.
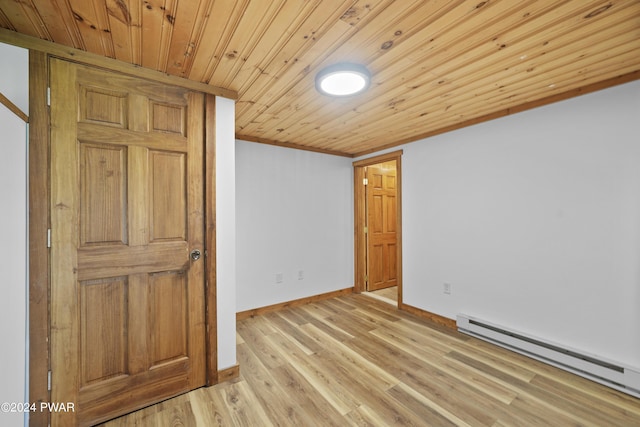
626	78
92	22
299	97
22	16
158	18
322	33
194	17
305	29
435	64
387	97
476	99
124	25
488	78
215	38
58	18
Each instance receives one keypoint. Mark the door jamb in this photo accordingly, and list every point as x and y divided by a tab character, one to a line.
39	327
209	174
360	245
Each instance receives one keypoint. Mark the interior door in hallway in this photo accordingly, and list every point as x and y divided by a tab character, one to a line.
127	287
381	226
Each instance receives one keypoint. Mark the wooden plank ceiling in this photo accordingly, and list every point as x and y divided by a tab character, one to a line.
437	64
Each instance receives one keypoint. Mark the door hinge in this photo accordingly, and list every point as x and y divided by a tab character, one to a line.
49	97
366	279
366	230
49	380
48	237
365	181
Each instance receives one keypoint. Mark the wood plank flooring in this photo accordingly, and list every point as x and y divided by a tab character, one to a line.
389	295
357	361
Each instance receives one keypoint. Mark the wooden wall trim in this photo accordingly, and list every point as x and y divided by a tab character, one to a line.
228	374
432	317
359	238
379	159
291	145
14	108
295	303
399	225
76	55
38	226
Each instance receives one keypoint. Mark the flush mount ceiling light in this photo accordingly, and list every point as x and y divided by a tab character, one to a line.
343	79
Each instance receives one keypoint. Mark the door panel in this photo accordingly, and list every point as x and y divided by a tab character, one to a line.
103	302
381	218
103	192
168	317
127	302
168	196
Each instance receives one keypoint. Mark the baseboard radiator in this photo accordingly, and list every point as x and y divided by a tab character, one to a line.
611	374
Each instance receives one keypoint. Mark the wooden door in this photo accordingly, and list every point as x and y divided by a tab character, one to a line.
381	226
127	300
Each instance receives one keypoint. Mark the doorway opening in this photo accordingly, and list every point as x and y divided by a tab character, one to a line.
378	227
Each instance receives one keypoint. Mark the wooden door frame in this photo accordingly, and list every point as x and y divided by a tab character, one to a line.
360	241
39	224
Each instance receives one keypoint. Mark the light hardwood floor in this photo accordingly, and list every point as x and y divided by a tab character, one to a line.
387	294
357	361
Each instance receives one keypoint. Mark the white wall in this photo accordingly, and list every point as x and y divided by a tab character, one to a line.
226	232
14	75
14	71
294	213
534	220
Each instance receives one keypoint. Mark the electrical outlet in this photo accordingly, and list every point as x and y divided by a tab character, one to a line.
279	277
300	274
446	288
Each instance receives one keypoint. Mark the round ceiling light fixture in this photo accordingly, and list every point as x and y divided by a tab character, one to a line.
343	79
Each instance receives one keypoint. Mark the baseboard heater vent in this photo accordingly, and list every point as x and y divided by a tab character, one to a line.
611	374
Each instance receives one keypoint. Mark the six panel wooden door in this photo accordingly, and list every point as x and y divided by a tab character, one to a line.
127	300
381	226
